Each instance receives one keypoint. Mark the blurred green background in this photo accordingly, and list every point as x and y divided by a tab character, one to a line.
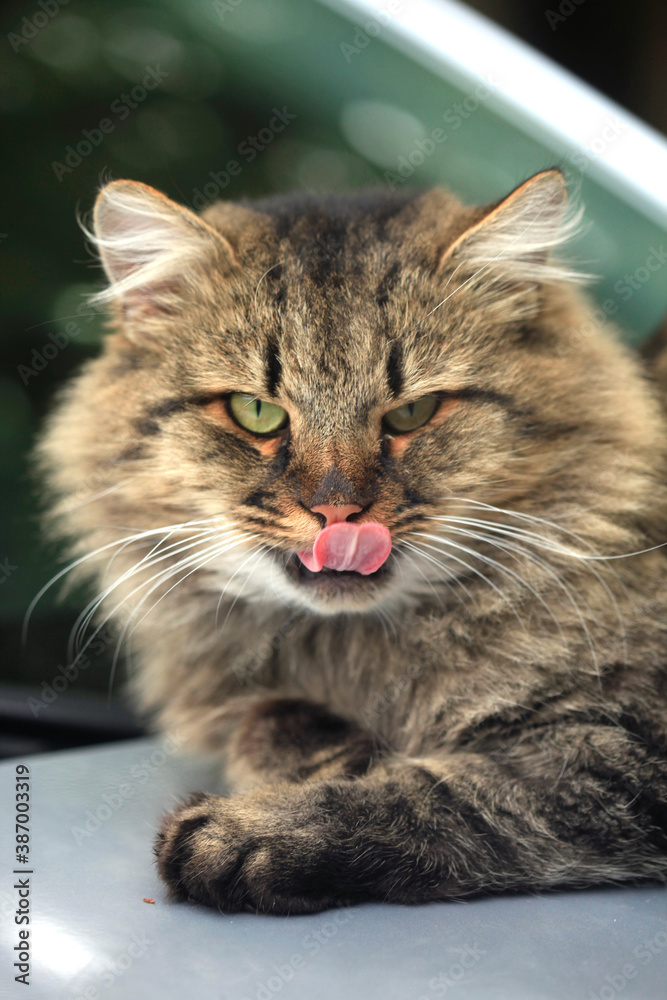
76	111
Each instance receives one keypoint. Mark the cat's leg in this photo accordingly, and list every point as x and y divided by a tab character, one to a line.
576	805
292	739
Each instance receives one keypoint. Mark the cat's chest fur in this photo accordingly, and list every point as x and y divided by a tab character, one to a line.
432	677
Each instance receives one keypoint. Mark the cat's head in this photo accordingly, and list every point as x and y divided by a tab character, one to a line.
375	359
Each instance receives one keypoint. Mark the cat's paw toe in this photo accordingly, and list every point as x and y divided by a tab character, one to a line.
180	838
201	849
235	855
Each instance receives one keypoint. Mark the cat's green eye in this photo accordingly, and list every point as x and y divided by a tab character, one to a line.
256	415
410	416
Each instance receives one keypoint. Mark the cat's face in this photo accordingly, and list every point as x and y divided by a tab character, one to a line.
392	360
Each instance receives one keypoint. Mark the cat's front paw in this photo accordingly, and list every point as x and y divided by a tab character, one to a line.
235	854
201	849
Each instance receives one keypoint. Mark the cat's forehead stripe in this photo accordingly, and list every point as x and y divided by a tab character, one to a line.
274	368
395	369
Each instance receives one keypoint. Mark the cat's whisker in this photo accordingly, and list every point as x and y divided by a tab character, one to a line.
74	564
54	320
147	561
89	611
495	565
100	495
385	619
557	548
522	515
538	541
376	614
255	553
282	560
406	557
58	576
219	547
171	550
454	583
520	553
447	284
199	563
158	547
268	271
463	283
160	577
413	562
213	552
419	549
543	543
452	589
453	580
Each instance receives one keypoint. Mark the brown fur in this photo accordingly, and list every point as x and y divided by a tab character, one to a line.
494	719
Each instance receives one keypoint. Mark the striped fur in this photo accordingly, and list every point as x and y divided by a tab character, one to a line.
489	711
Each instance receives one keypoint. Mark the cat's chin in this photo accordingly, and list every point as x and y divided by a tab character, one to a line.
332	591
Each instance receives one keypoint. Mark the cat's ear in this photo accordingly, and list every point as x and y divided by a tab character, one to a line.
150	247
513	240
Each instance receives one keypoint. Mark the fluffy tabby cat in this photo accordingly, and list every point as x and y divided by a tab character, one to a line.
381	508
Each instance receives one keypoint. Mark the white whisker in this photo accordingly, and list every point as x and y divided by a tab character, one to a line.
256	555
199	562
519	552
471	569
496	565
216	549
145	533
546	544
89	611
454	590
98	496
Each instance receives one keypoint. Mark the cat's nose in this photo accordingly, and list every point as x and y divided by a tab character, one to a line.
333	514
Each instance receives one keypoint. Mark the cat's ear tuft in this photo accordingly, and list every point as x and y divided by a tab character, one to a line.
514	239
149	245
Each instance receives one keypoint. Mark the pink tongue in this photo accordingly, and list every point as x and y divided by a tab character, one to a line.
361	548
